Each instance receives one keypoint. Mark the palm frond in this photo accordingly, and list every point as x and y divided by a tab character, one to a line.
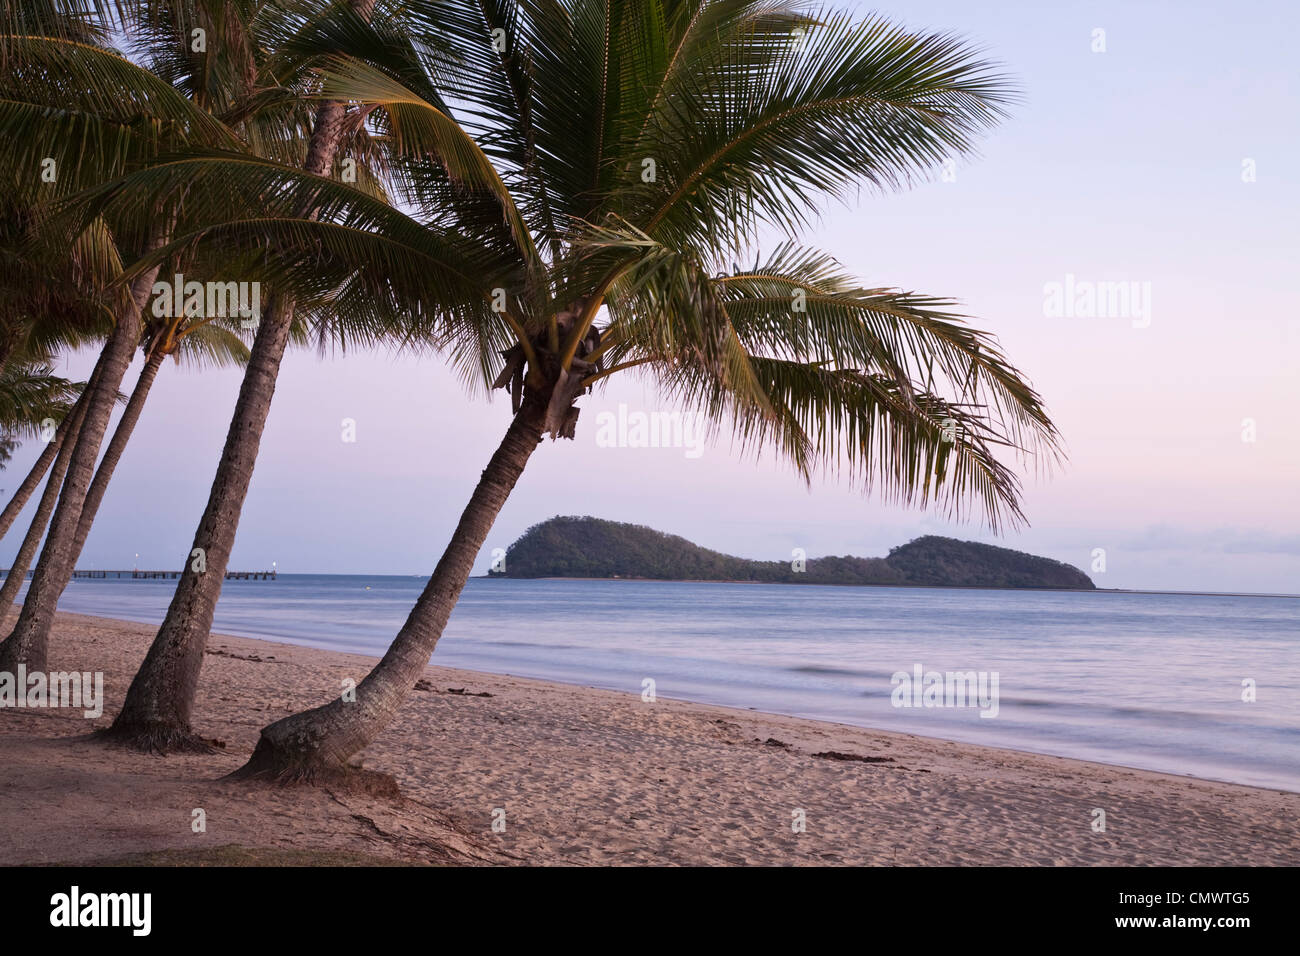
846	104
88	114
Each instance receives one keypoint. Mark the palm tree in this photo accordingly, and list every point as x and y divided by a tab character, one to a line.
177	337
636	150
49	303
10	438
27	487
65	441
72	104
241	93
170	671
30	393
60	309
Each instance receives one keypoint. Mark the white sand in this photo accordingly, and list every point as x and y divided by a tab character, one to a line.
588	777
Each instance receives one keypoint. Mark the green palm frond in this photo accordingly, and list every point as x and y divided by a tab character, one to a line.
84	21
420	130
910	448
209	344
845	104
90	112
800	359
551	159
800	305
362	272
51	285
30	394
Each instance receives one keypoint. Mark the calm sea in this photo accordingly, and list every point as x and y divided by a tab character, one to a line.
1141	680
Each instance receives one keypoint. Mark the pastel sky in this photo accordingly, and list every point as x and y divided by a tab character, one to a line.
1123	165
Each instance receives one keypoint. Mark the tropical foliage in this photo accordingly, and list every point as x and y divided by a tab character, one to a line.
571	547
657	143
545	193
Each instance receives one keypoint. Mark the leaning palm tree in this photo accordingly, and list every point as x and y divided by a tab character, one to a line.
637	149
197	343
34	402
355	28
49	304
73	113
63	443
243	91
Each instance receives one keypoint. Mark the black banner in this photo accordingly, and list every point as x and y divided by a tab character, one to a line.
959	906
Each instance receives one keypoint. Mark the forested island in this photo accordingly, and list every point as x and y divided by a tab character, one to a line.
573	547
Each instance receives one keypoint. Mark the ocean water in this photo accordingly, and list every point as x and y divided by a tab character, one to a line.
1141	680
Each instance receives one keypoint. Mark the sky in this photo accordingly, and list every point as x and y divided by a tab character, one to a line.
1161	152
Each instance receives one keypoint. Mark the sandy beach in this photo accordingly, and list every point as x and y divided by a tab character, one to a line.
583	776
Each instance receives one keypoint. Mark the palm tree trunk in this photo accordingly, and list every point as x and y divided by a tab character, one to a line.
18	571
27	644
159	703
156	712
113	454
33	479
25	491
317	744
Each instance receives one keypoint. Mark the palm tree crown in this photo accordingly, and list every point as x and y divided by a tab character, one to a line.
579	179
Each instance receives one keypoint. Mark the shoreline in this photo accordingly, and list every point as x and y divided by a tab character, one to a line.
828	584
822	584
375	657
587	775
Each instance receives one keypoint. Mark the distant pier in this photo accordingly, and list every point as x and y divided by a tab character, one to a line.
136	573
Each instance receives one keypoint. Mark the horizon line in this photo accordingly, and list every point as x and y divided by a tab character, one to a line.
941	587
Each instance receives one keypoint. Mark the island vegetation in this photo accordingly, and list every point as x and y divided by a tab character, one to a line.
584	547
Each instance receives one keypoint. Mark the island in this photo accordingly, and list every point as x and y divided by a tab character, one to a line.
585	547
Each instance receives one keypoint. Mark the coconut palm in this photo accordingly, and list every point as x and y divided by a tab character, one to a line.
354	30
62	446
27	487
635	151
196	343
49	303
52	302
73	113
243	91
201	342
50	296
51	409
